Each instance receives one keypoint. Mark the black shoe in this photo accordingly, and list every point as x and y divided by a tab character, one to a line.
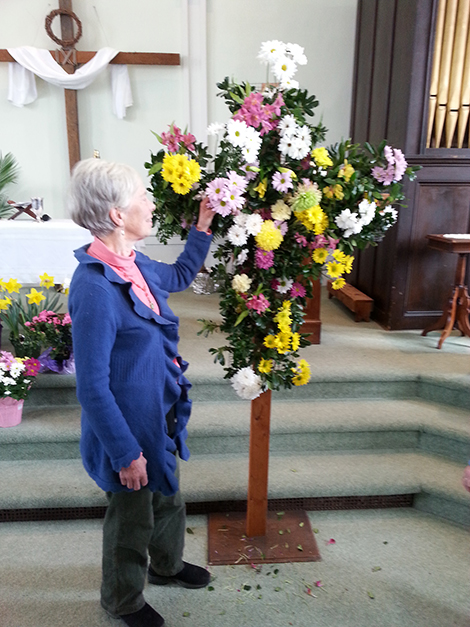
145	617
191	576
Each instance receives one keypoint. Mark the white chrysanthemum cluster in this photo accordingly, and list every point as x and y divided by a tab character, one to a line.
247	384
245	137
283	60
295	140
352	222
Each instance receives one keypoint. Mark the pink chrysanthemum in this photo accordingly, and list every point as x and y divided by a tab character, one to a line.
282	181
264	259
297	290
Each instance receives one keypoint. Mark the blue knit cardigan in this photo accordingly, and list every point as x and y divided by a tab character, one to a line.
127	380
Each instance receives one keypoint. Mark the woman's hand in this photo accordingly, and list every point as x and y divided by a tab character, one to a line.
206	216
135	475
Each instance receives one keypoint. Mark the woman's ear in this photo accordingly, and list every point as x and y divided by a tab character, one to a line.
116	216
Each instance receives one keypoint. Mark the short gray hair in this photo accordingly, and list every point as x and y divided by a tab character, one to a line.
96	187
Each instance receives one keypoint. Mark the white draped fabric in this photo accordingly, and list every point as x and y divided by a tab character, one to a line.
34	61
30	248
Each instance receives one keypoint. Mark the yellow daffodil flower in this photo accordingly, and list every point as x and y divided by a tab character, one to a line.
4	303
12	286
46	280
35	297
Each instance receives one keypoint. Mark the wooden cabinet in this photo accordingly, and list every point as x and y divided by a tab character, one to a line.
408	281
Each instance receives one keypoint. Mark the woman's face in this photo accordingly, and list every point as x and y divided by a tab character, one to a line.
138	217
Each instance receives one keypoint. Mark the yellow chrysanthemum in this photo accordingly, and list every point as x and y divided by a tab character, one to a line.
265	366
12	286
335	269
339	256
181	186
35	297
270	341
295	341
261	189
338	284
283	342
321	157
46	280
270	237
321	225
320	255
348	262
169	168
4	303
346	171
303	376
194	170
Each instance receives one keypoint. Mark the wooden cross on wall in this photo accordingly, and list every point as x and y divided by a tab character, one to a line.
70	59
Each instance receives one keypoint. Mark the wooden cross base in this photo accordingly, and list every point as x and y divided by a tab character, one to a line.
288	538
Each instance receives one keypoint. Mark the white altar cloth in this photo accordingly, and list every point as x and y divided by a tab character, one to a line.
29	248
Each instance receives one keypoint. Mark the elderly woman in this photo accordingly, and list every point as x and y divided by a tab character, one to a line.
131	384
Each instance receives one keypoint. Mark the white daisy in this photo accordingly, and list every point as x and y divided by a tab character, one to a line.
286	85
297	53
284	69
271	50
288	126
284	285
298	148
215	128
237	132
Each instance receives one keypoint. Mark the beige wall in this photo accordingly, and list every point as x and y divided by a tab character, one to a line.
233	32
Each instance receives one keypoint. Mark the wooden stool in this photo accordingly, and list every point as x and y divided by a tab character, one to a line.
354	299
457	308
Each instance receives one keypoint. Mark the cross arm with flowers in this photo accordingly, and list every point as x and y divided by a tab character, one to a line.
286	211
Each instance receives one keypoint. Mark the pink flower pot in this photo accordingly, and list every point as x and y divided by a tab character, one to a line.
11	412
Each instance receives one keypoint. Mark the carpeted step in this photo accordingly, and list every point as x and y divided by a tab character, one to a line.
301	426
207	478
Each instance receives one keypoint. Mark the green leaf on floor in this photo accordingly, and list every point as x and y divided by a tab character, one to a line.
186	614
371	595
189	530
376	568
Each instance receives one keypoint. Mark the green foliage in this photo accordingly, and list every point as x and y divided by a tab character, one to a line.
9	169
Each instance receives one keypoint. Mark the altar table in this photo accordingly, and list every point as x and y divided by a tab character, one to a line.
29	248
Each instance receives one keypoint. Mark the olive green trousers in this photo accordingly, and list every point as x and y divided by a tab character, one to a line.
137	525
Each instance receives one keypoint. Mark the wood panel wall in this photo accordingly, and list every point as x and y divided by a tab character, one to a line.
393	60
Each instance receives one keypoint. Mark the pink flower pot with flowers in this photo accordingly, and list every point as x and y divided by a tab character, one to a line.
16	379
11	412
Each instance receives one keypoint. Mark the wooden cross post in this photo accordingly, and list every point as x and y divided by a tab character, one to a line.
70	59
